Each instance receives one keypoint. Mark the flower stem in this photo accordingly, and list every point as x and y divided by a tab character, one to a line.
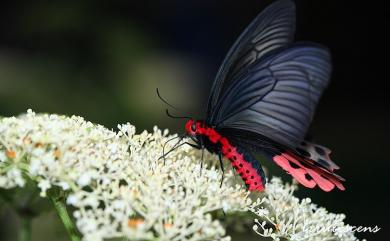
25	228
65	218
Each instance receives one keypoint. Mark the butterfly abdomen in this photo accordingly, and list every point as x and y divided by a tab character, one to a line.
245	165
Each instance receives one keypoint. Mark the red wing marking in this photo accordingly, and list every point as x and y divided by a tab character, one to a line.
308	174
298	174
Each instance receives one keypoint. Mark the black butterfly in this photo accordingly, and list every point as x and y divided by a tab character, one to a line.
263	100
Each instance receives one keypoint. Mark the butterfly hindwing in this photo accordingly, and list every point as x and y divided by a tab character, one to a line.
309	165
318	154
307	173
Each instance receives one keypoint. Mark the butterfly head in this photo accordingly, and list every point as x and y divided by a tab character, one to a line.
194	128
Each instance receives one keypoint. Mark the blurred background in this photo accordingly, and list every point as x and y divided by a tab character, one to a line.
103	60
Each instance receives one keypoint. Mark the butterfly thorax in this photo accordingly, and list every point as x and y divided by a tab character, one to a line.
213	141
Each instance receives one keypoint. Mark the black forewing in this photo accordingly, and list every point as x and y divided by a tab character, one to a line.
277	95
271	29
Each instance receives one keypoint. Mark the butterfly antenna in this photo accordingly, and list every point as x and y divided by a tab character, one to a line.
176	117
169	114
163	100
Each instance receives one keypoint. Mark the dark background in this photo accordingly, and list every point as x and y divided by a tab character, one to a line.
103	60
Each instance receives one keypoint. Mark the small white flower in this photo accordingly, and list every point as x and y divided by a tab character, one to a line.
84	179
262	212
3	157
64	185
225	206
15	178
72	200
44	185
213	175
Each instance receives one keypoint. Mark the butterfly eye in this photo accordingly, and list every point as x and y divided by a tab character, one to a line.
193	127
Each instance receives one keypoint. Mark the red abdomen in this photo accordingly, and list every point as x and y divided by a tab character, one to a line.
246	166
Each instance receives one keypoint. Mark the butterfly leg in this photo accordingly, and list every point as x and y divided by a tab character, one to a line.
201	160
222	168
193	145
175	146
199	146
163	155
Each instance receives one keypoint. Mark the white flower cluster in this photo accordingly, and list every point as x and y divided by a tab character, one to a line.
120	187
281	216
116	181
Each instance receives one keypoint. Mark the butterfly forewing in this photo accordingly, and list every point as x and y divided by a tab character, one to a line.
276	96
271	29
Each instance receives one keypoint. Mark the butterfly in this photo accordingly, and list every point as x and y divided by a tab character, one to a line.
262	101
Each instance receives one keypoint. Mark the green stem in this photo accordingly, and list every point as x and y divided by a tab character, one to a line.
25	228
65	218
